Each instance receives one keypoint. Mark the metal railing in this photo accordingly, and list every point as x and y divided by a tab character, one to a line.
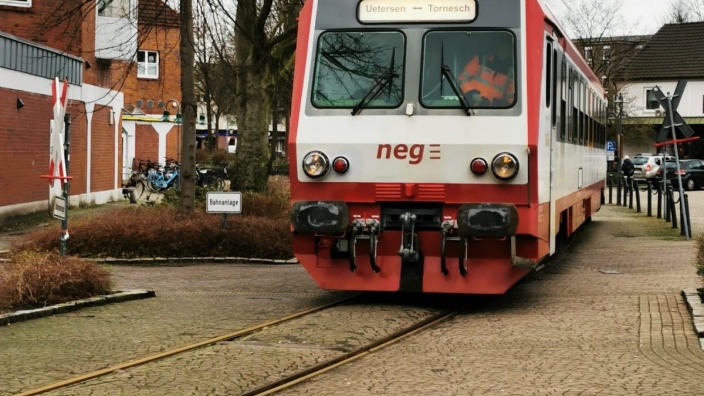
628	192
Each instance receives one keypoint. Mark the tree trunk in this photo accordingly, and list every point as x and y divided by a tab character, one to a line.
216	132
188	105
252	98
252	129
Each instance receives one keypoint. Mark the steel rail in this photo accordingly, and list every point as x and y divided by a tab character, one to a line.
175	351
359	353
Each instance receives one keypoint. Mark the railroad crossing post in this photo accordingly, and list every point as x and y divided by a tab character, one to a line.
67	151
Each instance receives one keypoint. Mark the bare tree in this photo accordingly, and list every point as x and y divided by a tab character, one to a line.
264	41
695	9
214	66
188	102
683	11
677	13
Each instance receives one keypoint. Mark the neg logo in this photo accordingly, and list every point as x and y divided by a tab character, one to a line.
414	153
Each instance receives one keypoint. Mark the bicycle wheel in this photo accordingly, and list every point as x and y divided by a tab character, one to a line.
213	182
151	186
176	183
139	188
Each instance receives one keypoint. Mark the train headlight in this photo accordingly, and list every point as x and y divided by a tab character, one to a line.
504	166
316	165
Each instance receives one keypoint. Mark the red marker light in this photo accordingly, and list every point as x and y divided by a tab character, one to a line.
340	165
478	166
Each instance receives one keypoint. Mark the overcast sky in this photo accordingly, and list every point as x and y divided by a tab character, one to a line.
639	16
647	13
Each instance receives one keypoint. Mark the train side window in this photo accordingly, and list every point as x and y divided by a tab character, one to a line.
554	86
580	111
352	66
575	107
548	74
563	101
570	106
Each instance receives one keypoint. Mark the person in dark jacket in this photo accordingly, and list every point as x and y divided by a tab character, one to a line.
627	167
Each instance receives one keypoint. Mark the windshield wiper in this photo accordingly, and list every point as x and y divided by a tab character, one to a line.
386	79
447	72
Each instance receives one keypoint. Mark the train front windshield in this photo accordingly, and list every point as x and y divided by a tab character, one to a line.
480	66
352	66
368	69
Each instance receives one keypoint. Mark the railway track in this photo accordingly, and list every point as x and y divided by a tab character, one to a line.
263	331
349	357
176	351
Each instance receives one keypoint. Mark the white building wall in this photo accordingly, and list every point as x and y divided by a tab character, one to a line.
691	104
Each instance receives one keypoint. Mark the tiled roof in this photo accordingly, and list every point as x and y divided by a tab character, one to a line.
156	12
676	51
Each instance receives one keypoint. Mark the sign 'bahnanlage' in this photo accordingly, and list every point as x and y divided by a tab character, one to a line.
223	202
383	11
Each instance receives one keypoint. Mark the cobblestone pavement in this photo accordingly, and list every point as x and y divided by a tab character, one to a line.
575	328
192	304
238	366
606	318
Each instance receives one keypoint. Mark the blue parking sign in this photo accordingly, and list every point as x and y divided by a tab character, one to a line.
610	145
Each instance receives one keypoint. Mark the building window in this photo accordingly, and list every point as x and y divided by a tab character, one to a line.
588	53
114	8
651	102
16	3
148	64
606	53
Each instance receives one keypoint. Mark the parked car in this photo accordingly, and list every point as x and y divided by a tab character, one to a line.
646	165
691	170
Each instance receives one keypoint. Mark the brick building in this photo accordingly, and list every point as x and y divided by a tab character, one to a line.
111	62
151	115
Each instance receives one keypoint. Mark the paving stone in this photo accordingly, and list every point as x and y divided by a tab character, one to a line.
567	330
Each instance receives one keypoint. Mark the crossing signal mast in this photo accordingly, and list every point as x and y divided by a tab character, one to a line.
674	122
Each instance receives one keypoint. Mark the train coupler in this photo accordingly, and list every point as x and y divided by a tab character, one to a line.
445	230
409	250
462	256
357	233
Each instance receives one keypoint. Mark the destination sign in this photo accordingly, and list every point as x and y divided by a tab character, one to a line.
390	11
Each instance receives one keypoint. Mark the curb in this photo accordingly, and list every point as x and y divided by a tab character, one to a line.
171	261
120	296
696	307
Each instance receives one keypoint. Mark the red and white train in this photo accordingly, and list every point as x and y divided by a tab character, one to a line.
401	182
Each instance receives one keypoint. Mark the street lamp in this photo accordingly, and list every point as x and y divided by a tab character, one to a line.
619	142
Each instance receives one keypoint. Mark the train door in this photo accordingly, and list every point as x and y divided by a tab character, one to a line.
552	53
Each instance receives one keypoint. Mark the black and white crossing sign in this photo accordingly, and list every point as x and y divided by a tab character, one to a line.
667	122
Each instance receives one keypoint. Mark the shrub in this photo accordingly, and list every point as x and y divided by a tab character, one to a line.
36	278
280	166
262	230
217	157
699	259
158	232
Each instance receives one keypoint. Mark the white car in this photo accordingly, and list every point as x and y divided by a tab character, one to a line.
646	165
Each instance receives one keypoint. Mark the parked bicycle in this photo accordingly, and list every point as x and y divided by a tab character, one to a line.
210	178
137	181
163	178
